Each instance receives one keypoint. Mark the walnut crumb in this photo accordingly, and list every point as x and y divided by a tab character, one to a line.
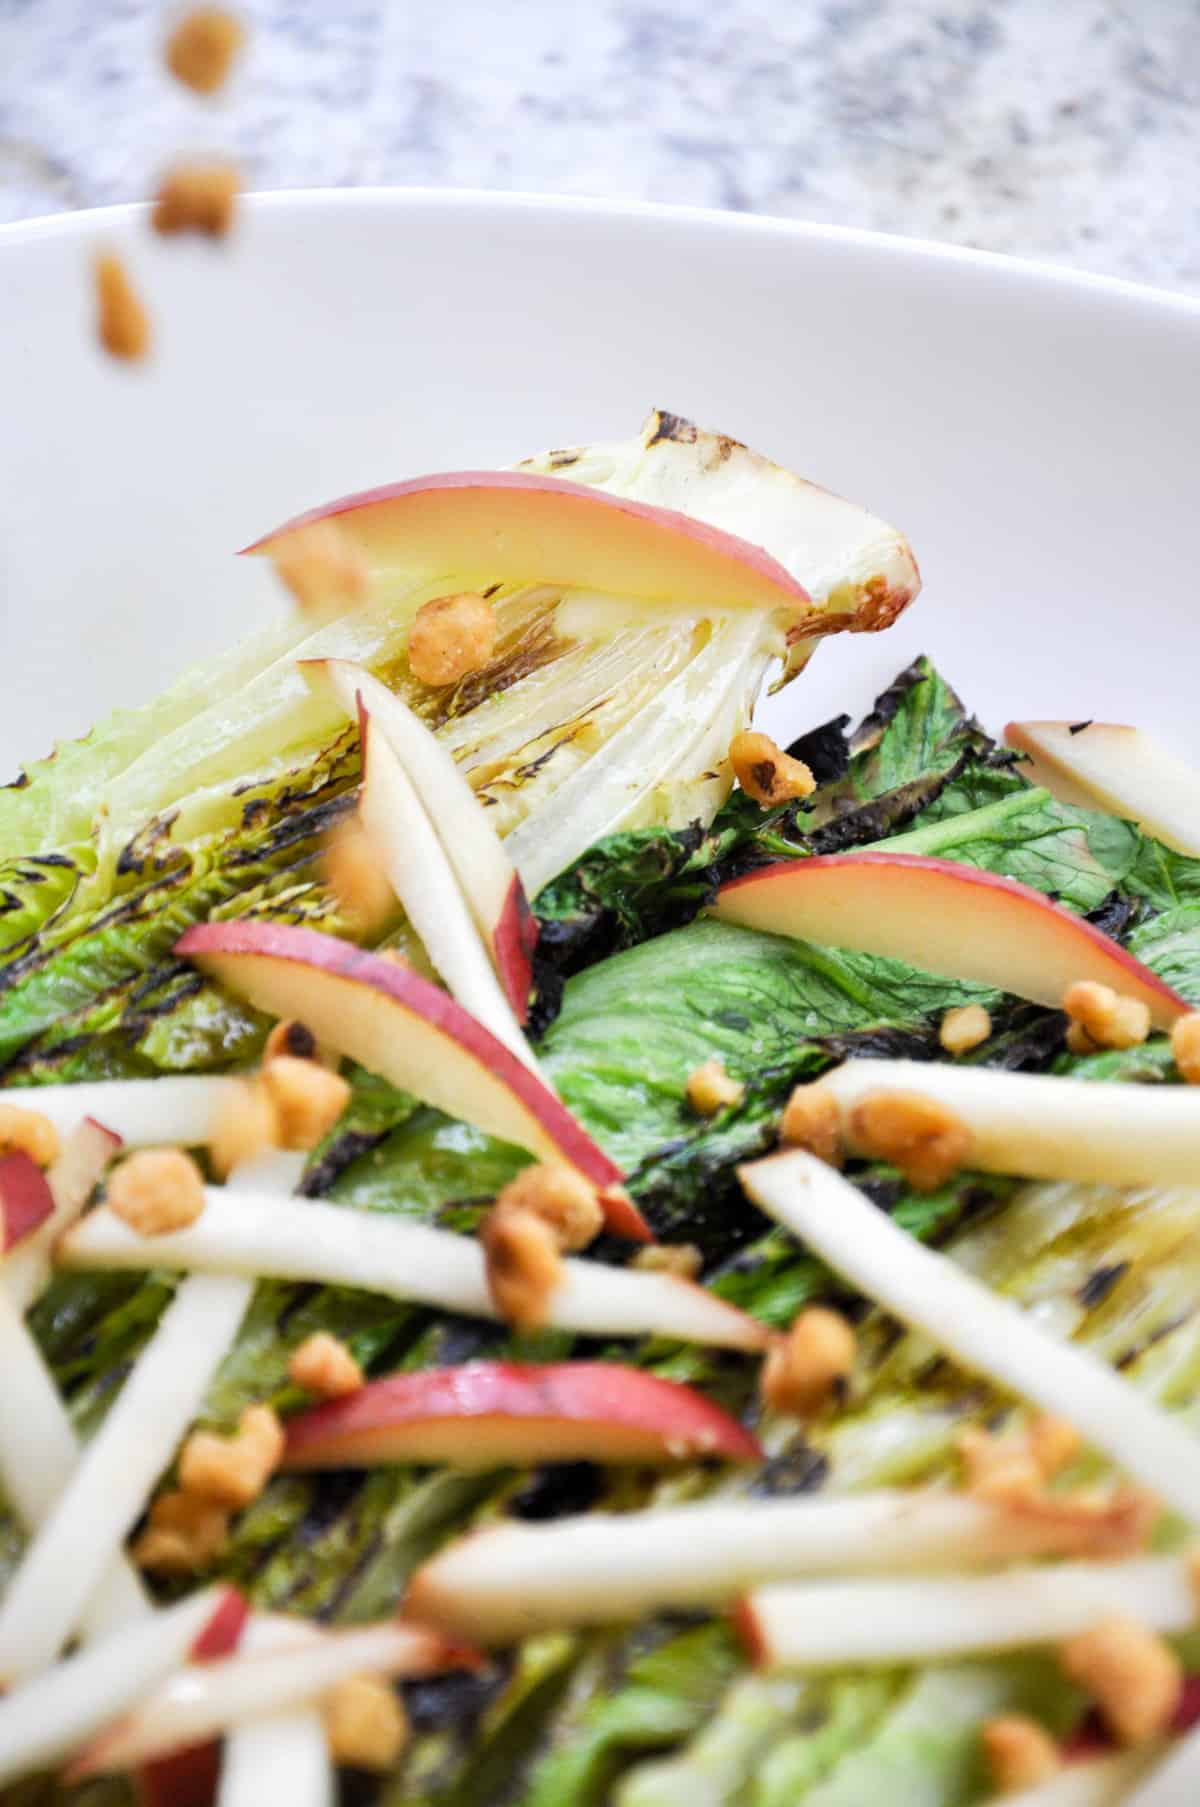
808	1366
365	1723
245	1124
523	1266
451	637
324	1365
291	1037
157	1190
232	1471
964	1028
322	569
1134	1677
1019	1753
28	1132
200	51
812	1119
765	772
1185	1046
711	1089
185	1533
356	878
1105	1018
1053	1442
122	323
925	1139
196	197
682	1260
308	1099
561	1197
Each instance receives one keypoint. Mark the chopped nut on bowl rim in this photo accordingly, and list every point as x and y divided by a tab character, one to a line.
122	323
196	197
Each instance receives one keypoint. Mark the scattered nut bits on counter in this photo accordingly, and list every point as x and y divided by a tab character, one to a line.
200	52
451	637
157	1190
122	323
196	197
766	773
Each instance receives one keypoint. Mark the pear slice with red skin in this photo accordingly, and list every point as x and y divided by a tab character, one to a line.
190	1777
490	883
396	1024
26	1200
943	917
489	527
495	1414
1125	771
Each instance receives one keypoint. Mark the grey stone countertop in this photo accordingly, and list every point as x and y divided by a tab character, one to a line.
1060	129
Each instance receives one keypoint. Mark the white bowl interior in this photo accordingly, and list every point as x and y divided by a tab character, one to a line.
1032	432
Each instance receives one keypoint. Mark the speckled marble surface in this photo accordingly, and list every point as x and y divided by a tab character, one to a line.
1061	129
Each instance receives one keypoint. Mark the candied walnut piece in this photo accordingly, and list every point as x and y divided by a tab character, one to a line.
451	637
765	772
964	1028
365	1723
233	1470
245	1124
811	1119
157	1190
561	1197
682	1260
1002	1469
200	51
291	1037
710	1089
808	1366
122	323
1019	1753
323	570
1053	1442
1134	1677
196	197
185	1533
523	1266
28	1132
1185	1046
1104	1017
358	881
324	1365
925	1139
308	1099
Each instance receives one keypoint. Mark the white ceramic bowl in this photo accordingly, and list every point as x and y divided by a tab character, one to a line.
1033	432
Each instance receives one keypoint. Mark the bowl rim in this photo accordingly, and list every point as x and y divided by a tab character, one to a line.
643	215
